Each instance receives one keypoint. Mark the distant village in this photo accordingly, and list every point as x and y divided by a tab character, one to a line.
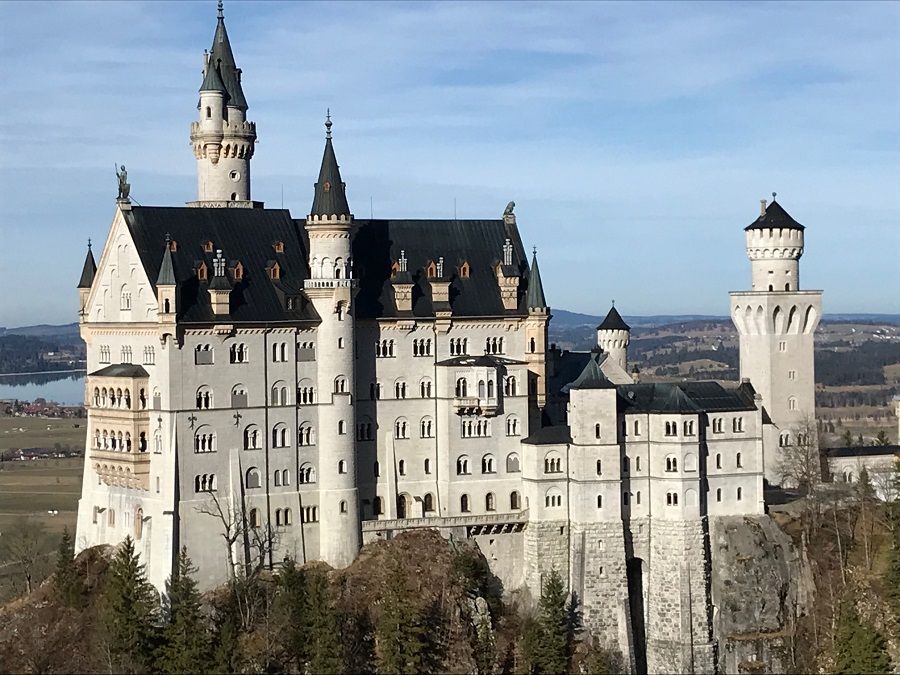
44	409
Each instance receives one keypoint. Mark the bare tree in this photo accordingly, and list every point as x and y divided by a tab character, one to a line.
801	467
25	547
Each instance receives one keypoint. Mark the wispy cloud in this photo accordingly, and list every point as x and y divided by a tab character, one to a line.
635	138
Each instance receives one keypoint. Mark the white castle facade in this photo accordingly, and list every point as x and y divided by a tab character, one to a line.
310	385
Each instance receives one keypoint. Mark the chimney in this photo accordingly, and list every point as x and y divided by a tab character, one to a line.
762	207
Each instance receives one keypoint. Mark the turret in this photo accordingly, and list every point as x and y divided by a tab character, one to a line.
86	281
774	246
166	287
331	289
613	335
536	333
222	138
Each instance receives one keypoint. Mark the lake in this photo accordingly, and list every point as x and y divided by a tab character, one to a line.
64	388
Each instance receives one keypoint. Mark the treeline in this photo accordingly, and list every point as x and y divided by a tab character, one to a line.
855	399
23	353
381	616
855	364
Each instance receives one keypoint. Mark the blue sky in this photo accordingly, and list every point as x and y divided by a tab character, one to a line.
636	139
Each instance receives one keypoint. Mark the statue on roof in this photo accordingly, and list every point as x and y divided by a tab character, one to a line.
508	211
124	185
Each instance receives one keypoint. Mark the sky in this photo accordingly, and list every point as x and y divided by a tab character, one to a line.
636	139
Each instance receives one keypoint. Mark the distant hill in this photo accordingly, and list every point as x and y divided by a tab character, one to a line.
564	319
44	330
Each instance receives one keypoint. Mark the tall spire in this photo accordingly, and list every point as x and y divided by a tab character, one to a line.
89	269
535	296
330	197
166	269
221	58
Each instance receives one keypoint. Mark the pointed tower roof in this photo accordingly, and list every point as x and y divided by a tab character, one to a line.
613	321
535	296
331	193
775	217
166	269
89	269
212	81
592	377
221	58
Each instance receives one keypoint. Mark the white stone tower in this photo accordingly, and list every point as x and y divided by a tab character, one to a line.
613	335
776	322
222	138
331	289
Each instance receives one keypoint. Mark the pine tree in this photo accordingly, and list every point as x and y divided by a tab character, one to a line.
67	582
324	632
129	612
400	629
554	651
858	648
186	634
291	608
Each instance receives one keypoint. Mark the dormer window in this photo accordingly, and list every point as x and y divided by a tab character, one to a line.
238	271
208	246
173	245
202	272
431	269
464	270
274	271
394	269
326	186
278	246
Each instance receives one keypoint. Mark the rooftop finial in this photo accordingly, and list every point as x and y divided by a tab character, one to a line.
774	194
168	239
534	250
89	243
221	10
328	123
613	303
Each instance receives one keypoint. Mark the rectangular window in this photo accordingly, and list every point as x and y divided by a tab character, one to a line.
782	346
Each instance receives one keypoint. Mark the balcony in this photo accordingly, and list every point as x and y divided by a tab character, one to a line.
472	405
122	469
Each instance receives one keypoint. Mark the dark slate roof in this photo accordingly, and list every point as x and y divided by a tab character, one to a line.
554	435
88	271
591	377
484	360
568	368
684	397
535	297
222	58
212	81
377	246
864	451
330	197
245	235
613	321
121	370
775	217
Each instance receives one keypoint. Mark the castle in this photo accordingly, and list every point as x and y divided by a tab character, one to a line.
261	386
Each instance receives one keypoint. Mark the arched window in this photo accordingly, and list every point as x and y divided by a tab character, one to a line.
532	346
738	461
461	388
718	460
510	387
204	398
276	478
490	502
487	464
553	498
599	467
254	518
426	428
204	439
306	474
280	394
427	466
425	388
342	427
286	477
481	389
597	430
238	396
671	463
740	494
462	465
343	506
401	428
401	467
671	499
552	463
515	501
464	503
399	389
428	503
253	480
280	436
340	385
208	112
512	463
512	425
306	434
792	403
637	427
139	523
718	494
490	389
599	501
342	466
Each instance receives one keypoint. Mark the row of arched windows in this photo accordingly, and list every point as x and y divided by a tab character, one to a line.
490	502
279	352
477	428
459	346
421	347
488	464
493	345
239	353
149	355
118	441
117	398
384	349
205	482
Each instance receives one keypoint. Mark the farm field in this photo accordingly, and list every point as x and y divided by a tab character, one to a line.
41	432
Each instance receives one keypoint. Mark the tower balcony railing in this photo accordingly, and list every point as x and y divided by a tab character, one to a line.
472	405
329	283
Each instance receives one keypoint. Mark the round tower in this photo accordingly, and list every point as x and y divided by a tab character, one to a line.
774	246
613	336
331	289
222	138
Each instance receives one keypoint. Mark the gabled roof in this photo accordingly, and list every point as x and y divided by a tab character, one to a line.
330	198
613	321
166	267
121	370
256	297
221	58
88	271
592	376
535	298
550	435
378	243
775	218
864	451
684	397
